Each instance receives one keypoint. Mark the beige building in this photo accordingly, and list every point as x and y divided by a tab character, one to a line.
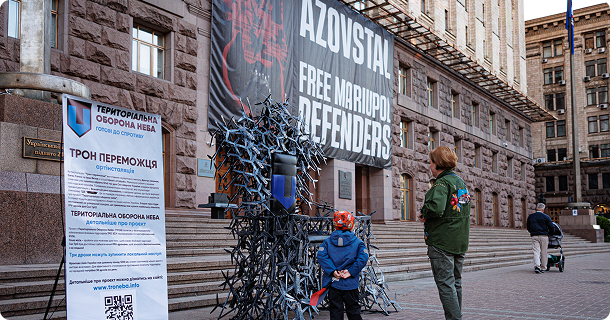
548	80
487	31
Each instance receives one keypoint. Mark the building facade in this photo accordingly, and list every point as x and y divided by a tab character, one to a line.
548	61
154	56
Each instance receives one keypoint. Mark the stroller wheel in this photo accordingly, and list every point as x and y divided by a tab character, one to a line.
561	265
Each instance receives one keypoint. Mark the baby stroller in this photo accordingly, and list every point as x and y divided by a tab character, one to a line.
554	243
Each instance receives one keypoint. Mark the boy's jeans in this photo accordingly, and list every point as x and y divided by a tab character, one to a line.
447	271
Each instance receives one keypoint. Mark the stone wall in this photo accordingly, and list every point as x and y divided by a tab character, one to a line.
414	160
94	48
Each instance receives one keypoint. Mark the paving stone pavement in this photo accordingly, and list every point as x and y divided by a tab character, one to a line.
582	291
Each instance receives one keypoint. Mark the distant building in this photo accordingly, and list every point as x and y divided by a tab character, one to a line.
548	81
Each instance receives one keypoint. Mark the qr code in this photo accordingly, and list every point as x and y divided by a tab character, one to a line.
119	307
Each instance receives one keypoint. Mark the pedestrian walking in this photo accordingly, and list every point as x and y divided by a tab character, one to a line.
540	226
446	217
342	256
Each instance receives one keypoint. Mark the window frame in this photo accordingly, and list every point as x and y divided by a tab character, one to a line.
560	152
604	150
558	45
405	194
135	52
604	123
593	182
593	151
403	80
590	68
605	180
591	96
550	124
558	74
492	122
561	96
548	75
404	134
551	155
602	95
17	34
592	124
549	185
562	181
547	49
548	102
455	104
431	90
602	66
561	128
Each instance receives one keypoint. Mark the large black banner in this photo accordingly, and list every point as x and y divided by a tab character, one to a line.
332	64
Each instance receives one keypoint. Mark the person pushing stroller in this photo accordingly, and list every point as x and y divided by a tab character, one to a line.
540	226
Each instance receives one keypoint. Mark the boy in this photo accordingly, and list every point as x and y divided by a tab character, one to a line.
342	256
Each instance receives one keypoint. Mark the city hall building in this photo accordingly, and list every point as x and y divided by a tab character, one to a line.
406	77
548	81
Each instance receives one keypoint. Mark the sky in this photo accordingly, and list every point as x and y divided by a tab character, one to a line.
541	8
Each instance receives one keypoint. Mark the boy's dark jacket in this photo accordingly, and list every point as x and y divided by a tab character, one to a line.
342	250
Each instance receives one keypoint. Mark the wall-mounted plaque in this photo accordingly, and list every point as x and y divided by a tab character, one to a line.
205	168
345	185
42	149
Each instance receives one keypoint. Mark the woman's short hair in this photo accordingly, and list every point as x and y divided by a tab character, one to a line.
444	158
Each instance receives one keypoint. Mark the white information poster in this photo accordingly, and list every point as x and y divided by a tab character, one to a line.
115	218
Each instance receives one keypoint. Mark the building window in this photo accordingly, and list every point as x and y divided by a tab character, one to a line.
494	208
477	156
430	89
54	24
602	95
510	167
478	210
551	155
591	96
601	67
494	162
520	137
508	129
595	40
148	51
603	123
446	20
558	44
431	140
550	184
605	150
423	6
14	18
562	154
492	122
548	102
547	49
590	68
594	151
593	181
466	35
405	187
550	129
523	172
548	46
561	128
558	74
600	39
560	101
593	124
455	111
483	16
474	119
548	75
457	148
404	134
606	180
403	80
563	183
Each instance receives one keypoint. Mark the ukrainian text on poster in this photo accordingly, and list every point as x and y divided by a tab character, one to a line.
331	63
115	218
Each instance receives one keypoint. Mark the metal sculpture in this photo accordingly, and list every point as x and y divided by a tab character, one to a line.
275	266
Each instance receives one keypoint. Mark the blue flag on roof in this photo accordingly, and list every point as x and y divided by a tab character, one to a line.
570	25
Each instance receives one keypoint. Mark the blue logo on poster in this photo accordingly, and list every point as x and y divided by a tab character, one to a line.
278	189
79	117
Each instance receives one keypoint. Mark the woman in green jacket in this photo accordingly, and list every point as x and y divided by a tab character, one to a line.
446	217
